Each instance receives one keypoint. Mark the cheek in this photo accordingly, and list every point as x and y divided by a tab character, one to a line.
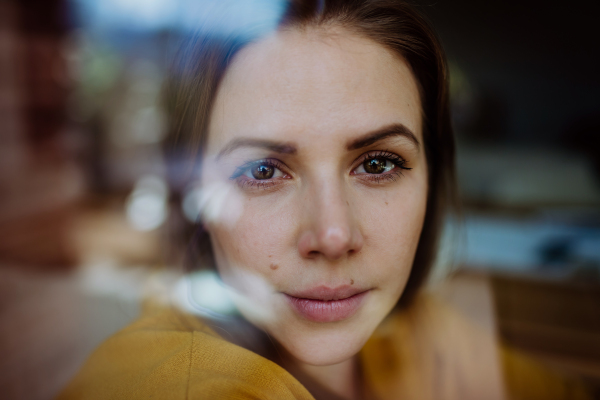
391	226
255	243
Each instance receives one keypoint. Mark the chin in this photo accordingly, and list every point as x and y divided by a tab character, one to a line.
321	348
321	344
326	343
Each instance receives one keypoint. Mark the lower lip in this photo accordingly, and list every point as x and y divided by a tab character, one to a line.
327	311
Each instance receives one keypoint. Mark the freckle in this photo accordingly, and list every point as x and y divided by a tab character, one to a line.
270	256
386	203
274	266
347	202
352	281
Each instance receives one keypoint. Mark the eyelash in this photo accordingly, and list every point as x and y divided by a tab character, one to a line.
399	163
257	183
396	160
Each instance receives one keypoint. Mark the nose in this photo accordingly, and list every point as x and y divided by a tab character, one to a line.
330	229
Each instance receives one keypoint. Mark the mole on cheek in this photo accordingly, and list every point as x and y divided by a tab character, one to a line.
386	203
274	266
352	281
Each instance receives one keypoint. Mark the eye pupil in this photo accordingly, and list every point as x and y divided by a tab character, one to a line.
375	166
263	171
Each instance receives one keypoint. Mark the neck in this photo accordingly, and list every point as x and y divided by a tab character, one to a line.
340	380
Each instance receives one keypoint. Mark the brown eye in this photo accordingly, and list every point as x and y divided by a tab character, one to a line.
263	171
375	166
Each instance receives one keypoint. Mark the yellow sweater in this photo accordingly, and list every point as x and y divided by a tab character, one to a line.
427	352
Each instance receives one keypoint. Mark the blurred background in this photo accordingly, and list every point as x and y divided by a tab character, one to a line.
89	213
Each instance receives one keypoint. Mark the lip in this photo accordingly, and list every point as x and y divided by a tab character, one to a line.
324	304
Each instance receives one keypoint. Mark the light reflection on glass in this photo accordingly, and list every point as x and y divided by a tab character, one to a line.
203	293
147	205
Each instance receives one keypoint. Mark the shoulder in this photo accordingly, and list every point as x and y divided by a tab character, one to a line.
430	351
434	351
176	356
527	379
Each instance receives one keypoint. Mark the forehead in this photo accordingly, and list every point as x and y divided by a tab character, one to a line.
303	85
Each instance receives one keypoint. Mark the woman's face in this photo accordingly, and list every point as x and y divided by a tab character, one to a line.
317	184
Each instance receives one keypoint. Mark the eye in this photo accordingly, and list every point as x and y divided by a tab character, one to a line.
380	163
260	174
263	171
380	166
377	165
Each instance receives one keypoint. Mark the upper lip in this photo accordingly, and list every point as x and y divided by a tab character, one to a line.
326	293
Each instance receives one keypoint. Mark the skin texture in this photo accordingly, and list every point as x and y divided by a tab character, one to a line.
321	220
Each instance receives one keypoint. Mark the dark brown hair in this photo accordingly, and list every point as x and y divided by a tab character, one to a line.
394	24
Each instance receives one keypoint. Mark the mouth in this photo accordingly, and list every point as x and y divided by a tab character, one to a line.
323	304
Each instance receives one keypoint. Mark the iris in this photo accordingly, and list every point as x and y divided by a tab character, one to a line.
263	171
375	165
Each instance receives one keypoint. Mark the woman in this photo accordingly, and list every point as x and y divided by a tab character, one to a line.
327	153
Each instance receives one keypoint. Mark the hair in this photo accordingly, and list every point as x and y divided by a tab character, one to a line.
202	61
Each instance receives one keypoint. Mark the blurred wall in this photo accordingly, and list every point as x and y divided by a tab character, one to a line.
38	178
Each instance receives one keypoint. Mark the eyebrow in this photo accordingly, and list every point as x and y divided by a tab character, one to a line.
383	133
276	147
288	148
